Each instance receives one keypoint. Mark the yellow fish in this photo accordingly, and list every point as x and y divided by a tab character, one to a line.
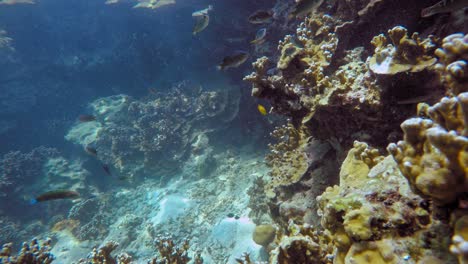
262	109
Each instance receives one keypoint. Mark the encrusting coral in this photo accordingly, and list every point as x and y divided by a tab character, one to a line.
433	154
30	253
373	213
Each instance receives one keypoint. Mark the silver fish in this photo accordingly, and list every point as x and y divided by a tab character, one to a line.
201	23
444	6
260	36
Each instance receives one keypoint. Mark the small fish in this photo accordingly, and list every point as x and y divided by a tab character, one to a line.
91	151
304	7
202	19
55	195
201	22
107	169
415	100
230	215
234	60
86	118
259	37
261	17
444	6
262	109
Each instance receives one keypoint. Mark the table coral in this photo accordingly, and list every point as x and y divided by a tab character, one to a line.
452	64
405	54
433	154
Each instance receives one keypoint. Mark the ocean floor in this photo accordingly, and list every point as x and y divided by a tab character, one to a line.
212	212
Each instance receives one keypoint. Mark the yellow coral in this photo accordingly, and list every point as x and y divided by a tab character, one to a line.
405	55
432	155
452	65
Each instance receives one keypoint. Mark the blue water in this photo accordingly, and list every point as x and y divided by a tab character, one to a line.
68	54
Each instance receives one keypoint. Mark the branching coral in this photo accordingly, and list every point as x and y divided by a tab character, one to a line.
433	154
31	253
171	253
405	55
102	255
452	64
329	91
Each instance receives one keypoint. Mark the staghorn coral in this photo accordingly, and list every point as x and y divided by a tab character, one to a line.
405	54
30	253
452	64
155	135
433	154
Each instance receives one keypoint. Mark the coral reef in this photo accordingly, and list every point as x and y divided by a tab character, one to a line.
331	92
300	169
31	253
22	169
433	154
153	136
